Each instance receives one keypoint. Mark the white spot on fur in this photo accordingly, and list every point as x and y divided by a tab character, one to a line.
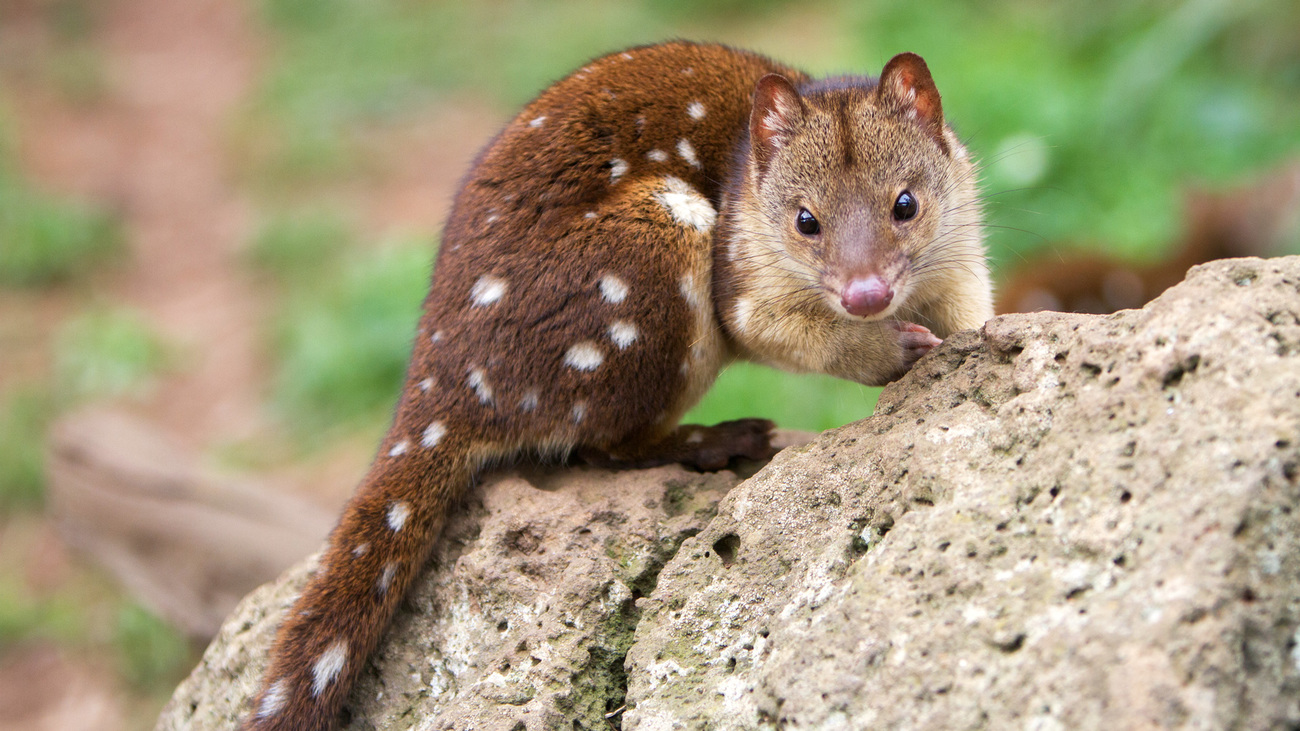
687	151
657	155
328	666
688	71
478	381
740	315
686	205
623	333
486	290
433	434
695	437
436	337
686	367
589	214
579	412
386	577
361	549
398	512
695	110
399	449
613	289
692	293
529	401
538	122
617	169
491	219
277	696
584	356
426	384
627	56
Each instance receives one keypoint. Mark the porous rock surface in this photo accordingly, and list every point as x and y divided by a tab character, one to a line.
524	615
1059	521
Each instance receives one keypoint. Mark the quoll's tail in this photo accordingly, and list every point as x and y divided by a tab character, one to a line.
374	553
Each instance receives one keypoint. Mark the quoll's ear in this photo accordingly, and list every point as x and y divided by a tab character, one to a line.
906	89
776	115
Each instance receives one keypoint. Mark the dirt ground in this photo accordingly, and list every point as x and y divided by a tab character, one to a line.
154	144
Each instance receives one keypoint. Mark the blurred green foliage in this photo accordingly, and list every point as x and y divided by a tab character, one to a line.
151	653
299	247
107	353
104	353
812	402
91	617
1088	119
24	618
46	239
24	417
346	321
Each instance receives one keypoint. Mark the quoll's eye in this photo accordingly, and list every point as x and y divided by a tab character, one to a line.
905	207
807	223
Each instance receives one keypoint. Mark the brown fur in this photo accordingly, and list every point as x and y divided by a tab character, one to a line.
524	345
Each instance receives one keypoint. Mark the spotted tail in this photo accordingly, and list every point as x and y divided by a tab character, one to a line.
375	552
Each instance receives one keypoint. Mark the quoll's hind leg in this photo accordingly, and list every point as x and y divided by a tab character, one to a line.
705	448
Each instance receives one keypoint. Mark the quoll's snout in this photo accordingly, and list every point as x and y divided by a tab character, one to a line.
866	296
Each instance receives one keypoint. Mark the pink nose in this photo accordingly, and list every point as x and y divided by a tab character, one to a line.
866	296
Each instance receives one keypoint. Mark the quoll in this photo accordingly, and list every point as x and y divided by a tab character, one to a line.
644	221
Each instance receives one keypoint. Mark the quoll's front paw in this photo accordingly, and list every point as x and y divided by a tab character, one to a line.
915	341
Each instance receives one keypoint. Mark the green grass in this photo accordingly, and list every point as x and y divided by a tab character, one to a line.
1089	121
342	337
107	353
25	415
807	402
295	248
151	654
59	619
98	354
45	240
93	619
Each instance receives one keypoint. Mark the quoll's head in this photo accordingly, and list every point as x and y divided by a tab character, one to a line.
862	183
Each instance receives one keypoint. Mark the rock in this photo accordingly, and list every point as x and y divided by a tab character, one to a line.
525	614
1059	521
1062	521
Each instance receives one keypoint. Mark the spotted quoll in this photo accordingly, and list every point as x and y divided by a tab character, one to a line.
579	301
